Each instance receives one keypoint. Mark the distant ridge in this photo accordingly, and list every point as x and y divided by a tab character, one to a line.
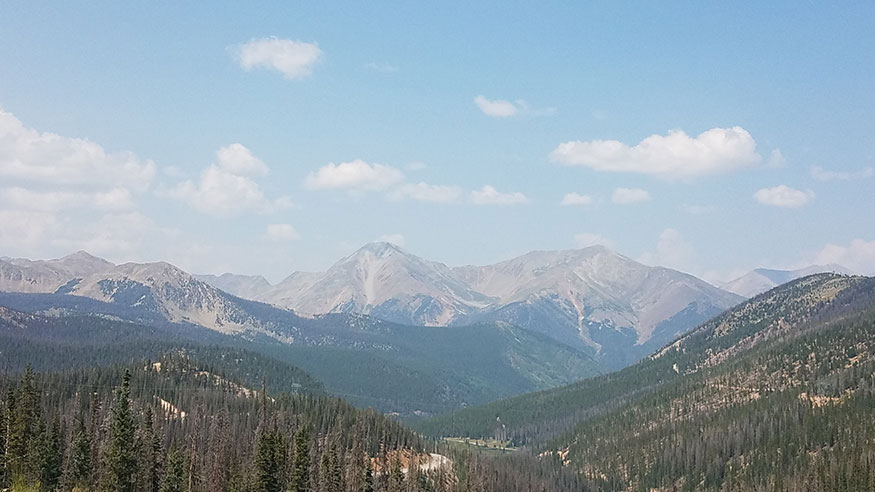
762	279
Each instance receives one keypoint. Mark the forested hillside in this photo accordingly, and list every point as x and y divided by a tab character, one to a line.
175	425
432	369
776	394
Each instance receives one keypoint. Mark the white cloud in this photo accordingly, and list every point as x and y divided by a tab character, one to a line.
396	239
576	199
32	158
24	229
355	176
225	189
626	196
487	195
116	199
237	159
673	156
585	239
783	196
281	232
821	174
501	108
498	108
425	192
858	256
293	59
672	251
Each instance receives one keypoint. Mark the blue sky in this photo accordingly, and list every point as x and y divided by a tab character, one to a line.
225	137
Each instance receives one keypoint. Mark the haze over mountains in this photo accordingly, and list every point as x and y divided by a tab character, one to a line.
762	279
593	300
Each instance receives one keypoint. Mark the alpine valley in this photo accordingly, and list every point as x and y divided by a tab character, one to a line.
445	336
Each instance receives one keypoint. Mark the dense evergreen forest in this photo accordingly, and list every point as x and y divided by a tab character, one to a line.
776	394
192	420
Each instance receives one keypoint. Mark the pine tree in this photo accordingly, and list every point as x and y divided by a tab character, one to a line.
149	446
121	457
51	457
23	420
267	463
300	480
396	476
174	472
80	456
368	481
219	463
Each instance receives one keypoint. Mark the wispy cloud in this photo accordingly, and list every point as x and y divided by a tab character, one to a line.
487	195
585	239
821	174
628	196
501	108
281	232
425	192
395	238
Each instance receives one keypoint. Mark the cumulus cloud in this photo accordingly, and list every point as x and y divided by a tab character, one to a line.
627	196
576	199
293	59
356	176
672	251
859	256
237	159
425	192
783	196
226	187
32	158
821	174
672	156
396	239
498	108
586	239
281	232
487	195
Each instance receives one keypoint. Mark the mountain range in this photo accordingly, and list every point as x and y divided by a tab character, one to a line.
591	299
431	368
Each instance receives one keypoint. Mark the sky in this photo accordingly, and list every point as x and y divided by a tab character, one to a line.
711	137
